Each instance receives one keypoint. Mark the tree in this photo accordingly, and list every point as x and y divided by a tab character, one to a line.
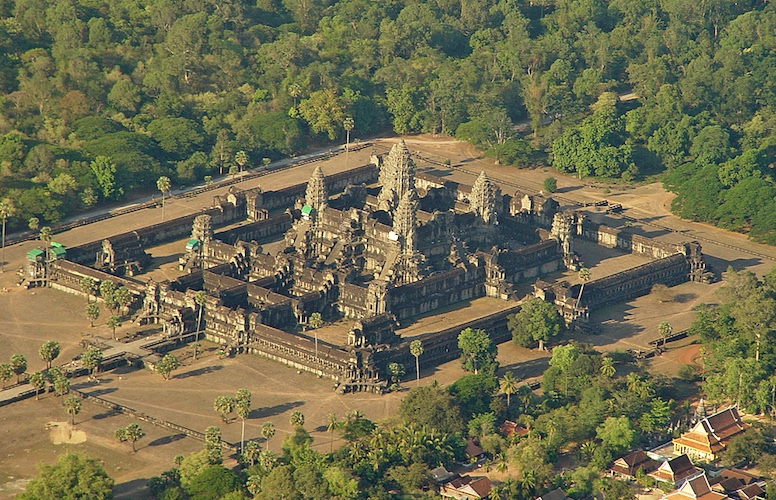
416	349
477	350
107	287
6	373
664	329
315	321
122	298
33	223
616	433
432	406
213	444
607	367
48	352
537	320
38	381
73	407
92	313
72	476
167	365
200	298
324	111
105	171
550	184
267	431
224	405
297	419
88	287
214	482
508	385
18	365
348	125
584	276
61	384
251	452
241	158
113	323
92	359
7	209
332	424
243	406
163	184
396	371
133	434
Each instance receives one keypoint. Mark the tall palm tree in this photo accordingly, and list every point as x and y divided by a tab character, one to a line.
295	90
416	349
664	329
268	431
508	385
45	236
73	407
7	209
241	157
607	367
38	381
243	402
200	298
348	125
224	405
163	184
584	275
333	423
113	323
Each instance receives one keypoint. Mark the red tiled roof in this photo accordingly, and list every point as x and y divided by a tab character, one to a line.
712	434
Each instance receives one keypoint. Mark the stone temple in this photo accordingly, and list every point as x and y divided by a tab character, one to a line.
375	246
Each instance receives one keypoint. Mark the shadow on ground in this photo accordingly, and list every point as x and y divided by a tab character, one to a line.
271	411
198	371
167	439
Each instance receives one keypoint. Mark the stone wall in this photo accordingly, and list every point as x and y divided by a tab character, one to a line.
439	290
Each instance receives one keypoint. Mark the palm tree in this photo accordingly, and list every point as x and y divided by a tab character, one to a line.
607	367
61	385
18	365
241	157
45	236
224	405
243	402
38	381
133	433
33	223
584	275
348	125
664	329
251	451
508	385
195	346
48	352
267	459
254	483
297	419
92	313
163	184
88	286
7	209
113	323
314	322
200	298
416	349
6	373
503	464
295	90
73	407
92	359
633	382
333	423
267	431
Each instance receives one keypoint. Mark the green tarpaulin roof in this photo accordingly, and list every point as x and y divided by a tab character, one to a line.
307	210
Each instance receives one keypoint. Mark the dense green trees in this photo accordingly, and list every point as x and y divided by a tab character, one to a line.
72	476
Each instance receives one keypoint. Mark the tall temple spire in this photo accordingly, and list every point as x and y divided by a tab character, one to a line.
397	177
483	200
315	196
405	220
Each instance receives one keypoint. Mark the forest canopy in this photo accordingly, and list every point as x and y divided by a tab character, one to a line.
102	98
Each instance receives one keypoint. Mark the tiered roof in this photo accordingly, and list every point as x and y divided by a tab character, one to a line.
711	434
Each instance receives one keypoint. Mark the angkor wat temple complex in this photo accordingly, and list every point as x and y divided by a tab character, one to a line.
375	246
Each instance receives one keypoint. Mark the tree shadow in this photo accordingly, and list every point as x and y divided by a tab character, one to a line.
100	392
130	490
166	439
528	369
683	298
198	371
271	411
157	262
110	413
718	266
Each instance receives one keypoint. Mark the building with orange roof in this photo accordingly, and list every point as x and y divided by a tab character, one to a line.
710	435
676	470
